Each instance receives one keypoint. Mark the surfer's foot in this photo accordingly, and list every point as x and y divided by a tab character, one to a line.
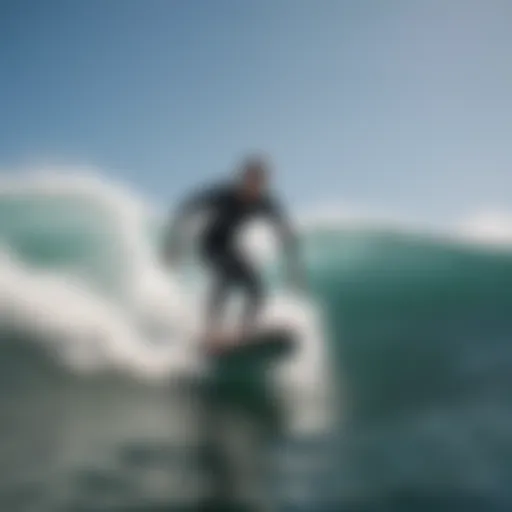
214	343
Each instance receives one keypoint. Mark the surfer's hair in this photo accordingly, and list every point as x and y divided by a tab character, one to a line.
253	166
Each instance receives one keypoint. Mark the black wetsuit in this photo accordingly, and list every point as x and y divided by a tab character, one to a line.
228	212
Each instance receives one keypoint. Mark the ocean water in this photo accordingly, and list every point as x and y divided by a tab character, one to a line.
397	399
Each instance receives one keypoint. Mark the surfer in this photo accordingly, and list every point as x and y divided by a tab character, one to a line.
230	205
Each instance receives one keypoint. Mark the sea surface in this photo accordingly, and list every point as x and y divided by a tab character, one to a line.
399	397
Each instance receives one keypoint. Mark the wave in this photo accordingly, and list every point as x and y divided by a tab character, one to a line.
79	261
414	321
81	278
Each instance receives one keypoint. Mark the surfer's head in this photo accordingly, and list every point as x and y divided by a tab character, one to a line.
253	177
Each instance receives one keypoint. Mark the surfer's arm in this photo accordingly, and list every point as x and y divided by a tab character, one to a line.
276	214
194	203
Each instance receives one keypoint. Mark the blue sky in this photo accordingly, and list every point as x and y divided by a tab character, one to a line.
404	105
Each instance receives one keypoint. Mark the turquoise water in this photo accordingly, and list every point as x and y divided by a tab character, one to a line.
420	333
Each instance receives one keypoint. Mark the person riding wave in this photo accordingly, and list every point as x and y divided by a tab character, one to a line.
230	206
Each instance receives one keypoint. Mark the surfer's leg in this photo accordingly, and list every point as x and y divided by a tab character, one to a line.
216	302
249	280
220	268
230	269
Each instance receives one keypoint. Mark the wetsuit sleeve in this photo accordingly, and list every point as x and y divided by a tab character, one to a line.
294	266
198	201
275	213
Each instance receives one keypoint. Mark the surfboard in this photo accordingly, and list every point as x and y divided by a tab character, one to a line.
239	375
264	345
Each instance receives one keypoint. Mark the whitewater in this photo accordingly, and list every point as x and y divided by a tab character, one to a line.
396	399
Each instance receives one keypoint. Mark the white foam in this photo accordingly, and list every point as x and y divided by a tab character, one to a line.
87	331
489	227
97	332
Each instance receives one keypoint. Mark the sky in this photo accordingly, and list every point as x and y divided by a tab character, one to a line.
404	105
